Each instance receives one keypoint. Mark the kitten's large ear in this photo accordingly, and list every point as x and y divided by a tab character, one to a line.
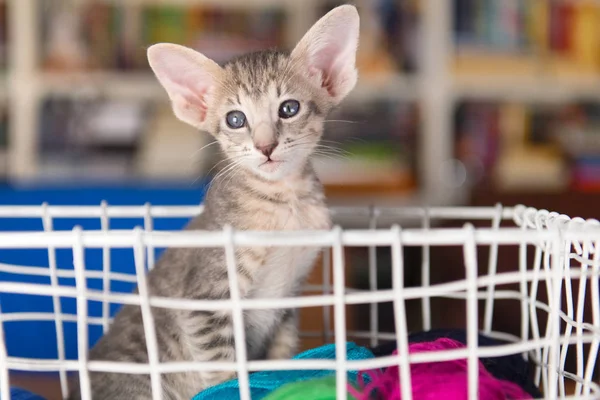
189	79
328	51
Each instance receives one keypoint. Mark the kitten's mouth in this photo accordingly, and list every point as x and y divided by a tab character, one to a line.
270	165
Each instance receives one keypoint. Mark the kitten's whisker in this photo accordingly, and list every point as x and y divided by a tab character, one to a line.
335	148
356	140
326	151
327	156
233	174
223	173
331	141
331	152
202	148
232	160
308	145
216	165
227	169
336	151
208	173
346	140
342	120
305	136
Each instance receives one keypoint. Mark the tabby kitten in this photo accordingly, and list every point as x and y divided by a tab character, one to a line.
266	109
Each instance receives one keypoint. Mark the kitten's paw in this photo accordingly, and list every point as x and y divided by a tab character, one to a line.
285	342
217	377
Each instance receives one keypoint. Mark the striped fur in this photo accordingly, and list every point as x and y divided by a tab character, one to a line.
247	196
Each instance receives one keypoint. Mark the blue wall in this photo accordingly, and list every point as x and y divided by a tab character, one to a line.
38	339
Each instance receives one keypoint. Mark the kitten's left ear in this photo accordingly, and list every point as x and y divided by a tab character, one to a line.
189	77
328	51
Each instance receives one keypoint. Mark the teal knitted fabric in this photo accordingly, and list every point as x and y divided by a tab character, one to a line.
263	383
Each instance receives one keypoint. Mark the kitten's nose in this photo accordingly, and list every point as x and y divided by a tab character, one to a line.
267	149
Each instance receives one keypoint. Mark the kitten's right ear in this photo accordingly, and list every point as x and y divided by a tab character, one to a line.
188	77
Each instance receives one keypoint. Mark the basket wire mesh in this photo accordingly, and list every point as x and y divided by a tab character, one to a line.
566	250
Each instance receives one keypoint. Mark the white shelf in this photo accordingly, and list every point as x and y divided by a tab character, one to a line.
396	87
528	89
402	87
126	84
145	85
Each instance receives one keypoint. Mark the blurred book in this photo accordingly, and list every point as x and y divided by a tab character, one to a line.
90	138
372	143
541	147
586	174
171	149
357	172
3	164
3	142
531	170
99	35
3	126
389	39
559	37
477	135
491	25
3	35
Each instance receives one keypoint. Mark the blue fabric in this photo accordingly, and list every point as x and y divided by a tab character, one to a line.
22	394
264	382
37	339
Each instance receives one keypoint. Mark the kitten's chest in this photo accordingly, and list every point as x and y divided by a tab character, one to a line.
293	263
280	270
295	215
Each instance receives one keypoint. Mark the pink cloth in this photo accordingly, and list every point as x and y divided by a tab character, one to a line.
437	380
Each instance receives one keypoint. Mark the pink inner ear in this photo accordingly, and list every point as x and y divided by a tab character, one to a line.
328	84
325	78
195	100
194	97
324	61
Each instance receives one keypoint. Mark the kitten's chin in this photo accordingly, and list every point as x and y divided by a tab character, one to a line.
271	171
271	166
276	170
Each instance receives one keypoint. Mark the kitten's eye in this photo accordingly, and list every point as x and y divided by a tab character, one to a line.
289	108
235	119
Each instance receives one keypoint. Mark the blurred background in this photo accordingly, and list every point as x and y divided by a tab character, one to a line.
459	103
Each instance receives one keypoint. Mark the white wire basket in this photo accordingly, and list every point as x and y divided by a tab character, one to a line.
565	269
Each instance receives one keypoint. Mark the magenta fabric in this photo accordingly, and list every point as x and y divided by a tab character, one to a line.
438	380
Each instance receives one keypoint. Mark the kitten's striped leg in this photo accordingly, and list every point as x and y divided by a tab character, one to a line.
210	338
285	341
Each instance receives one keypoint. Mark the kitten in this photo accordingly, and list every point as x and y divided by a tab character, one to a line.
266	110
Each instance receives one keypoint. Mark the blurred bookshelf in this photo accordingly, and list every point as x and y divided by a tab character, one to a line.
527	90
88	108
434	116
